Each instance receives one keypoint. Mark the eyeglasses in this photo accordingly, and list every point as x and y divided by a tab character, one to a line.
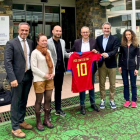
85	32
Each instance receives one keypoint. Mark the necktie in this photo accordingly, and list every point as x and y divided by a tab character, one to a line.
25	54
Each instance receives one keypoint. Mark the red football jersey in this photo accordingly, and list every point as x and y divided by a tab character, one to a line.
81	65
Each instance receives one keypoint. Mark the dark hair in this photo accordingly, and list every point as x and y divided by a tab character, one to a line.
39	35
133	39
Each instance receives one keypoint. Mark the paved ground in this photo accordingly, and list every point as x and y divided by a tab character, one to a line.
66	92
119	124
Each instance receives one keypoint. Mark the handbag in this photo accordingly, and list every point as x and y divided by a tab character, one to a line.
5	96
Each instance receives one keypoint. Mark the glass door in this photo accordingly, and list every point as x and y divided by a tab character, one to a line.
138	26
18	16
52	18
119	23
68	25
34	17
42	18
138	32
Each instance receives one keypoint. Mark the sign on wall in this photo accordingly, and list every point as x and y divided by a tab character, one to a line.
98	32
4	29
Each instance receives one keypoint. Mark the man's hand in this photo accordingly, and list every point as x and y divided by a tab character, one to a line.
105	55
95	51
14	83
120	70
136	72
70	53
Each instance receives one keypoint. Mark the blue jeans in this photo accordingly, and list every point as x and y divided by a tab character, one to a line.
91	93
126	84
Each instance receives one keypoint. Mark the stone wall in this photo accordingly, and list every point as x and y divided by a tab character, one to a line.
5	10
89	13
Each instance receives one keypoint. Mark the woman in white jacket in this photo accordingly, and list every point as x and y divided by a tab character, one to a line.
43	72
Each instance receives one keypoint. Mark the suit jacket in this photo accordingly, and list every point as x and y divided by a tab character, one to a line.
77	48
111	49
14	59
51	47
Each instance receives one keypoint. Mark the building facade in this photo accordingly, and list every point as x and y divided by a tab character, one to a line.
71	15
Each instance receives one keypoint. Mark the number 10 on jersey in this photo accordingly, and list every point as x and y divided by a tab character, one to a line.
82	69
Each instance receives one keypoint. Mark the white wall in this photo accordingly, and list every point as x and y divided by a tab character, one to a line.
69	3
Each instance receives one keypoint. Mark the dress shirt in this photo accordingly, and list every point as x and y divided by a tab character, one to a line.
85	46
60	64
28	51
105	41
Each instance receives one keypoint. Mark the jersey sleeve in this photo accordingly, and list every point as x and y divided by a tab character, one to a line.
69	66
96	57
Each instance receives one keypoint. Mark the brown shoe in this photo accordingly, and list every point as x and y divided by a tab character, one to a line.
26	126
18	133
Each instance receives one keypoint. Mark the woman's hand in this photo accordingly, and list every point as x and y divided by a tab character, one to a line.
120	70
136	72
51	76
47	76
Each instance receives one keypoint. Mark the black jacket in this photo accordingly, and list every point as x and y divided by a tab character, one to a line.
111	49
129	57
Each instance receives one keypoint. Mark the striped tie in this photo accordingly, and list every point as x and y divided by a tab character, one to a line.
25	54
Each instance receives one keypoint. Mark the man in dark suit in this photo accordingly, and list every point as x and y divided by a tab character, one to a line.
83	45
17	64
108	47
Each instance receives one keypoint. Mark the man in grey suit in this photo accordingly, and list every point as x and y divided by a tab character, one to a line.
17	64
57	48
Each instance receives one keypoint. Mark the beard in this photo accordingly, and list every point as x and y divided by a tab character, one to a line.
57	36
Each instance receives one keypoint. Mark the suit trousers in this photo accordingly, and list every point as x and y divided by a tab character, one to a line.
91	94
19	100
103	73
58	82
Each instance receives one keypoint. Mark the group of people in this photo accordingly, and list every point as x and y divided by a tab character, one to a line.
44	64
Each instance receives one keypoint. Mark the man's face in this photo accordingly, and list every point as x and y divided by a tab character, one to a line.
85	33
23	31
106	30
57	32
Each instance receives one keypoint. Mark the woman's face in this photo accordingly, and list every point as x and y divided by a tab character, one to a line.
128	35
42	41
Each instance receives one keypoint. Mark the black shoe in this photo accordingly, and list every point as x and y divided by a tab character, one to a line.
60	112
95	107
83	111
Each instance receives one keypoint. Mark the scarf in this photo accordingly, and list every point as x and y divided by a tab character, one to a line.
47	56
